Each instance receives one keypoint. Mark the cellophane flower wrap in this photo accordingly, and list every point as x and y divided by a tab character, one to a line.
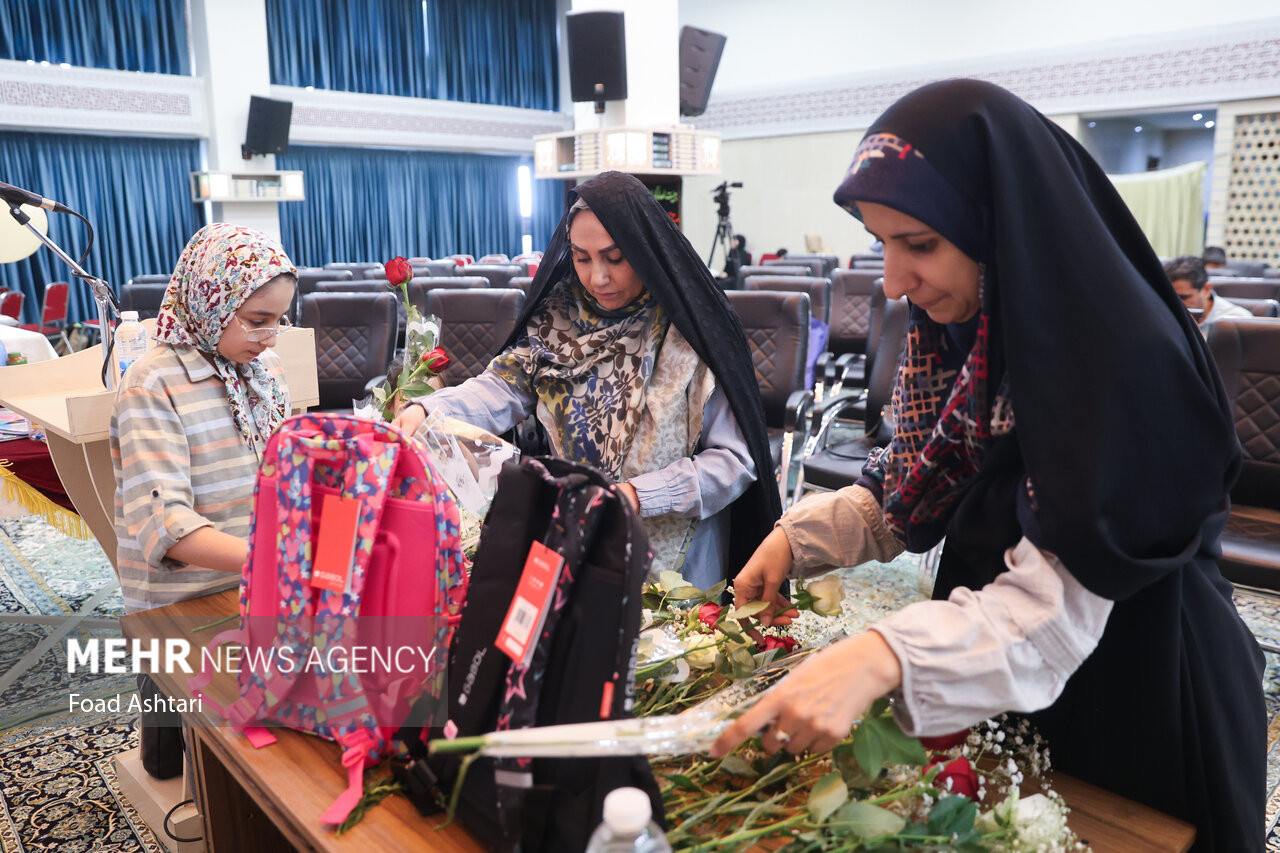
701	663
423	357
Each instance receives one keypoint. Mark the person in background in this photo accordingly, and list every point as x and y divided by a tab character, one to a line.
187	433
781	253
1214	257
1080	481
1192	284
632	360
738	257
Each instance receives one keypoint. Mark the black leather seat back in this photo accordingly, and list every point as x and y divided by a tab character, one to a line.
358	269
308	279
474	324
819	290
521	282
355	339
143	296
1248	357
829	262
1259	307
1246	288
777	327
815	267
851	292
497	274
891	340
746	271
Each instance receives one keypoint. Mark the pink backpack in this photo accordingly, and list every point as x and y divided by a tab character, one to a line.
354	566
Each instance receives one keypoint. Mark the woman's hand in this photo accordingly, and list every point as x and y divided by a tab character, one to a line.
762	577
410	418
815	707
628	491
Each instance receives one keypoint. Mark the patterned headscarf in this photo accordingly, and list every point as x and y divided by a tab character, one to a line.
590	367
945	419
221	267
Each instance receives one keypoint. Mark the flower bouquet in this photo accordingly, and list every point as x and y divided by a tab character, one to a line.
423	359
700	664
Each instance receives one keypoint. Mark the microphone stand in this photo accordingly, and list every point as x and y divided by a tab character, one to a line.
102	293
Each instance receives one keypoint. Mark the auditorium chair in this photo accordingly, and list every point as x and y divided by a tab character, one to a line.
497	274
777	328
494	258
11	304
745	271
1246	288
1259	307
531	261
151	278
1245	269
819	290
358	269
825	466
829	262
816	268
845	362
474	324
1247	352
355	340
145	297
521	282
53	313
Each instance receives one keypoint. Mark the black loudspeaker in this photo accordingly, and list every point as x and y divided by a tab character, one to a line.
597	57
699	58
268	130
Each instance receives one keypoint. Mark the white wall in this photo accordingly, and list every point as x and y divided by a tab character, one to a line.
772	43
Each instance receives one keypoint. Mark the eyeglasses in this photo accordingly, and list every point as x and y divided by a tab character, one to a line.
264	334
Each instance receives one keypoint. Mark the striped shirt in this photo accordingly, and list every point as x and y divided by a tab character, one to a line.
180	464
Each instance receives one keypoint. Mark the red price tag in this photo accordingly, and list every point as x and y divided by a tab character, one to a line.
519	634
335	543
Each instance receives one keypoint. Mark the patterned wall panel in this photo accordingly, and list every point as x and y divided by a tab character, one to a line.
1253	196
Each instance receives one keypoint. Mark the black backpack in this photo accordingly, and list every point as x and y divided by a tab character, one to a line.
582	670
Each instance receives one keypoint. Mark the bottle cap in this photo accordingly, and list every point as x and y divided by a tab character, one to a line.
126	316
627	810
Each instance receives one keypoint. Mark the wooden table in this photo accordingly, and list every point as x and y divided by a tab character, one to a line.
269	799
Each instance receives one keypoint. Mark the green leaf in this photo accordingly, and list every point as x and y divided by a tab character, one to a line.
750	609
736	765
879	708
651	600
722	666
417	388
672	580
744	665
684	783
882	738
829	794
854	776
729	629
953	815
716	591
868	748
865	821
380	394
684	593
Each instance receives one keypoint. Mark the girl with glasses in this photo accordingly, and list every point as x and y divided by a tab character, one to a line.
190	423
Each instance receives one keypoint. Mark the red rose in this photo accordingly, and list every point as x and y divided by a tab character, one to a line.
435	360
709	615
398	271
944	742
964	780
787	644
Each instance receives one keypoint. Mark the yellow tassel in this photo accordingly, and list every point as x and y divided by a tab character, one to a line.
32	500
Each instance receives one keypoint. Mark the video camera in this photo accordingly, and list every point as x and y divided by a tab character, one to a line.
722	196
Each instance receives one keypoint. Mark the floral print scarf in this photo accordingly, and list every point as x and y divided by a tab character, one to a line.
589	367
222	266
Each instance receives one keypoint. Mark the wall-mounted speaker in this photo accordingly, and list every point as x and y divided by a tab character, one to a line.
268	129
597	56
700	52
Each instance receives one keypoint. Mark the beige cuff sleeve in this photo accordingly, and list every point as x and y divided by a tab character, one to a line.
837	529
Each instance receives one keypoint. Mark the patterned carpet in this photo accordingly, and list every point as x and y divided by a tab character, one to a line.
57	786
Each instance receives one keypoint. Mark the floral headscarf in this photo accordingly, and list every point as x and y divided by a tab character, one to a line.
221	267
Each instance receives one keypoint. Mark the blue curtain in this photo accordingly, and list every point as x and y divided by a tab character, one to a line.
494	52
548	207
374	204
370	46
125	35
135	192
500	52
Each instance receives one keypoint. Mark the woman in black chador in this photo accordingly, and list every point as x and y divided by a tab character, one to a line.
1059	420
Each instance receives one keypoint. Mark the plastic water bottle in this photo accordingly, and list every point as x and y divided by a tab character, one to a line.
131	340
627	827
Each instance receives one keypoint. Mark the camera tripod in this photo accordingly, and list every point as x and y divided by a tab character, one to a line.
724	229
